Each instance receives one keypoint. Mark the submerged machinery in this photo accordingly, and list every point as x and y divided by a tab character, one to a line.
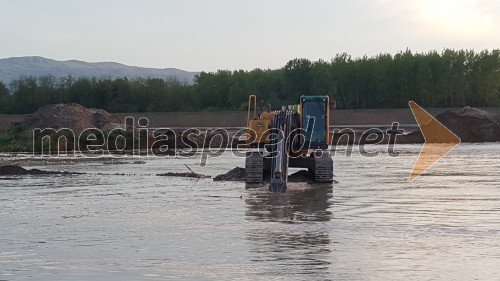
296	136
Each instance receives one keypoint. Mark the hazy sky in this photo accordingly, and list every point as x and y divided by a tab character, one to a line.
230	34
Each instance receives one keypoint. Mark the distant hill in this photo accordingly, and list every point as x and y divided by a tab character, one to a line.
14	68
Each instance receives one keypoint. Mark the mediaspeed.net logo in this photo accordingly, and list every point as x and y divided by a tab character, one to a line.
439	140
137	139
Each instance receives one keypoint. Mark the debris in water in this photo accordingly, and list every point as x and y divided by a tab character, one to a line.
191	174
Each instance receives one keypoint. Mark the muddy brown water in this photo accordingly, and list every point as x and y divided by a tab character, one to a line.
371	225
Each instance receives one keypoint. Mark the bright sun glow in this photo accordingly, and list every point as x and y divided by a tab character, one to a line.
455	16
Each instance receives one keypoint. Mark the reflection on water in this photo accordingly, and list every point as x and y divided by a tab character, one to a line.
291	236
306	205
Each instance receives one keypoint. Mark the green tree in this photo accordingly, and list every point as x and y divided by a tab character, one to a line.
450	78
297	79
4	98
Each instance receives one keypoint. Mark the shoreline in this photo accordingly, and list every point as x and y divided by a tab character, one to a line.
229	119
164	136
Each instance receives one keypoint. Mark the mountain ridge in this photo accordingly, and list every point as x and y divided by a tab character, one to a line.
16	67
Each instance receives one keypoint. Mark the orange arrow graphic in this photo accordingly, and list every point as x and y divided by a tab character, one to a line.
439	140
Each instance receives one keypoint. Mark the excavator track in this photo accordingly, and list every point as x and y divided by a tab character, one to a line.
323	168
254	167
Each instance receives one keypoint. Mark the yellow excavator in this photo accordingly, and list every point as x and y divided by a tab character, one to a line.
295	136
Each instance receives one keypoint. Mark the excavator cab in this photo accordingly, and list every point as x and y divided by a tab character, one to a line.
315	115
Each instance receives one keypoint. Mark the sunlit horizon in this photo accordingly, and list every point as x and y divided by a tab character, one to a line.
208	36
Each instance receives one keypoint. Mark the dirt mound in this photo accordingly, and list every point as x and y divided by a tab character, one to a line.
72	116
10	170
301	176
236	174
475	112
471	124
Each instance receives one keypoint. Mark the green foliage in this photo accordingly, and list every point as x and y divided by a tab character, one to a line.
447	79
14	140
4	98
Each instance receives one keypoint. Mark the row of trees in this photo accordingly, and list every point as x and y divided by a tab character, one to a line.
447	79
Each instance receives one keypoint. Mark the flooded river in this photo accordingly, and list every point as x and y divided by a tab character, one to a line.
372	224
